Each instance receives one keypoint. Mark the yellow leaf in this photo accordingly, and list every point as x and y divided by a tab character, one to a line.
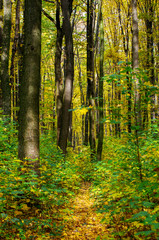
25	207
16	213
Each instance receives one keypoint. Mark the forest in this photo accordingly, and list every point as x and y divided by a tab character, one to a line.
79	119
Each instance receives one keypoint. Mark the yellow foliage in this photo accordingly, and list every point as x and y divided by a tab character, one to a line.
17	213
25	207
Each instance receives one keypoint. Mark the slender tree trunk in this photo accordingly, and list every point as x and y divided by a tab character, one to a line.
30	85
1	35
125	37
150	50
90	74
135	61
81	91
100	95
14	60
86	129
58	72
66	6
5	80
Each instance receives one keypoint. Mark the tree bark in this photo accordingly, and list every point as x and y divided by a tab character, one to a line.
90	74
135	61
1	35
66	6
58	72
5	80
14	61
81	92
100	94
30	85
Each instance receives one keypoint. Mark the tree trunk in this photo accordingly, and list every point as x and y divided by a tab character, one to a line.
135	61
1	35
14	61
100	95
30	85
58	72
125	37
5	80
90	74
66	6
81	92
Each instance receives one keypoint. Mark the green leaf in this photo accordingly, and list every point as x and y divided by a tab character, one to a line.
141	214
98	238
144	233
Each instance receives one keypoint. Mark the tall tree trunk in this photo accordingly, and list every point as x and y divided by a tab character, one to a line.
66	6
5	80
125	37
58	72
1	35
135	61
30	85
14	60
149	9
90	74
100	95
81	92
149	12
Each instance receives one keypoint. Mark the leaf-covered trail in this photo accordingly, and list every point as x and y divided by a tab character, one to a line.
82	220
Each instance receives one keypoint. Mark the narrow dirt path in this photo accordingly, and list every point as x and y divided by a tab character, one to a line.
82	221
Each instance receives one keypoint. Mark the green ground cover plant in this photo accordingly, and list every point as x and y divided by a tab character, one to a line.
130	203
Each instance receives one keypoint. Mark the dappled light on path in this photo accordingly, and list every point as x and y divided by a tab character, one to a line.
82	220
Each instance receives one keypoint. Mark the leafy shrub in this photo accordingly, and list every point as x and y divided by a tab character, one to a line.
130	203
30	205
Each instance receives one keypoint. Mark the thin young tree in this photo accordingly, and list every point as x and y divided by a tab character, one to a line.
30	85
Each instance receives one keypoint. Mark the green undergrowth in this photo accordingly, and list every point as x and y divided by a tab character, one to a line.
31	206
125	189
127	192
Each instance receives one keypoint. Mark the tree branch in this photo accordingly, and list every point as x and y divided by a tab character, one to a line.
49	1
48	16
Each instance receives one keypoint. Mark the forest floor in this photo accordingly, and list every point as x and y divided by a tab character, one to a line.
82	219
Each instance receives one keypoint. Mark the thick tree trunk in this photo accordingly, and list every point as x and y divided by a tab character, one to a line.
90	74
30	85
5	80
100	95
66	6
